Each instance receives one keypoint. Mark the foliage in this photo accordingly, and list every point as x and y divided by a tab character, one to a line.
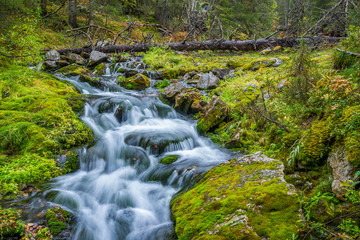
304	74
344	60
21	44
254	18
10	226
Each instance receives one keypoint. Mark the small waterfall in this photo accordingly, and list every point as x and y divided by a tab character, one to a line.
121	190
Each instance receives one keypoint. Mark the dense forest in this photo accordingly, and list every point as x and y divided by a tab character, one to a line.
180	119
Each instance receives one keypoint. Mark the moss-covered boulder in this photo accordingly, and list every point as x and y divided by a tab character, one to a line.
57	220
74	70
244	198
74	58
184	101
100	69
169	159
173	90
216	113
137	82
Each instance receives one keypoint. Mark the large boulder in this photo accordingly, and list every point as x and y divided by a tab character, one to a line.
173	90
244	198
216	113
52	55
96	58
137	82
184	101
208	81
74	58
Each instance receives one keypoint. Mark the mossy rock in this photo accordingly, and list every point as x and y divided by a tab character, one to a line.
137	82
90	80
100	69
216	114
315	145
74	70
169	159
245	198
57	220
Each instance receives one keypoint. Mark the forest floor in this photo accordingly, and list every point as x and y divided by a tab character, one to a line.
300	106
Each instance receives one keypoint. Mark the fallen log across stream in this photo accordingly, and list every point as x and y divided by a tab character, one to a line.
249	45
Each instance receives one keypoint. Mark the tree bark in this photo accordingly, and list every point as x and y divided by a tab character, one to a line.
250	45
72	13
43	4
92	12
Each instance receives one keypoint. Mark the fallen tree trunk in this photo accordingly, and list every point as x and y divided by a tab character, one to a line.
249	45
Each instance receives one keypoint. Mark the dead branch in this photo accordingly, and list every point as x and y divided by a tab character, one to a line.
52	13
249	45
349	53
324	17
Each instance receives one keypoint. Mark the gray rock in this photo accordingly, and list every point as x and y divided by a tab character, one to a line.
196	76
62	63
53	55
231	74
278	62
221	72
49	65
74	58
341	170
96	58
208	81
281	85
250	88
173	90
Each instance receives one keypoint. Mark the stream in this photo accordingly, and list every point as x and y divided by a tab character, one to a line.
121	190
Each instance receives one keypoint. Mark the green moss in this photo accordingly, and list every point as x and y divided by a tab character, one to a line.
74	70
315	148
37	116
234	201
137	82
57	220
26	169
72	164
169	159
163	83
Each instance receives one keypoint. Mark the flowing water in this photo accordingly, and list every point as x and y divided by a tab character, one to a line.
121	191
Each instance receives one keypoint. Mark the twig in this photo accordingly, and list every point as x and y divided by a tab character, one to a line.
267	118
52	13
332	220
324	17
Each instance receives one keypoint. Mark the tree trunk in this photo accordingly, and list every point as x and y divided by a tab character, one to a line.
43	4
72	14
250	45
92	12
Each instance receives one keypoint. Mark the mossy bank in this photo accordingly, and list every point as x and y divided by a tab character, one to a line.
38	121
